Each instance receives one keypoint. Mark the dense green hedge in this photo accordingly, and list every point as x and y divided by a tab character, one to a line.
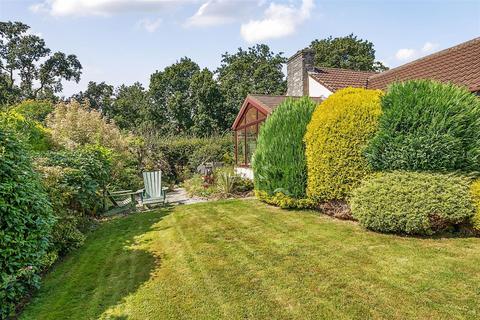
427	126
412	202
279	159
25	221
335	140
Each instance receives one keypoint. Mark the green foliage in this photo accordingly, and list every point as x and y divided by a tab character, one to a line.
255	70
475	193
412	202
31	132
178	157
279	160
25	222
335	140
129	106
427	126
225	183
99	96
84	175
346	52
36	110
26	55
283	200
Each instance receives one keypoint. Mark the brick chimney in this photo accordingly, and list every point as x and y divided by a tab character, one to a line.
298	67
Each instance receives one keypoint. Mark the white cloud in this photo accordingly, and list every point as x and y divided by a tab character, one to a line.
150	25
405	54
429	47
410	53
218	12
279	20
98	7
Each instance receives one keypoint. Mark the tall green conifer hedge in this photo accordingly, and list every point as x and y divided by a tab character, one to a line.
279	160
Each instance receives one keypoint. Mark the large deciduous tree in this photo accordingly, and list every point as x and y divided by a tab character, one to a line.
170	111
25	59
129	106
255	70
347	52
98	95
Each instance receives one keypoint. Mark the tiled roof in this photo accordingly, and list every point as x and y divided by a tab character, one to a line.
335	78
459	64
269	103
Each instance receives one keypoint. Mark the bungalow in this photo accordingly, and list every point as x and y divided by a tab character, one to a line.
459	64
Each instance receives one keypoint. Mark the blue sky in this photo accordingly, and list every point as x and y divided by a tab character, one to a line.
123	41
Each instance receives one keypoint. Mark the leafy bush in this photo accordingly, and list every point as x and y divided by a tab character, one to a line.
74	125
427	126
412	202
475	192
178	157
335	140
80	179
25	222
31	132
36	110
279	160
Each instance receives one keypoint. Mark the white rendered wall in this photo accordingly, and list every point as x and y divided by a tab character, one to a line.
315	89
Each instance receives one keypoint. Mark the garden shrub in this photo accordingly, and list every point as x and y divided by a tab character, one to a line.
74	125
427	126
36	110
279	159
335	140
475	192
280	199
412	202
31	132
25	222
81	178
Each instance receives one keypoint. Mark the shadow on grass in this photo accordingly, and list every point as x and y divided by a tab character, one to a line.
110	266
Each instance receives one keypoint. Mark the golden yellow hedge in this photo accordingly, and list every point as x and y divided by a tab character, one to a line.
475	191
335	140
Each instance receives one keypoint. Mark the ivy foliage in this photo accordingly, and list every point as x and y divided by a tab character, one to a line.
412	202
427	126
335	141
26	218
279	160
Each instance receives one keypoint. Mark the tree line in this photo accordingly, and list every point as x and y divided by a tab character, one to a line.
180	99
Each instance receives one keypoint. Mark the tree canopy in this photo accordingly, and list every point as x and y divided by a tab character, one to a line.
347	52
25	57
255	70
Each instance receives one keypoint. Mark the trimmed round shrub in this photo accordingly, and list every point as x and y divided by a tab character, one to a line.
427	126
475	192
25	221
279	159
412	202
335	140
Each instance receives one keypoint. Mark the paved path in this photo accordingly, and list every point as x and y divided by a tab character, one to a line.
180	196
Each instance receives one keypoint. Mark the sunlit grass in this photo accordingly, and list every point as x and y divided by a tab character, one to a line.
244	260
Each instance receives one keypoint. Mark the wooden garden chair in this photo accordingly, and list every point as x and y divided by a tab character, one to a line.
153	193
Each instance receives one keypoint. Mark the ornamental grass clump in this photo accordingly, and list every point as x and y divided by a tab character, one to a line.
335	140
413	202
427	126
279	159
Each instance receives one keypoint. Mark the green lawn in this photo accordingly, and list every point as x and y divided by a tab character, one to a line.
244	260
